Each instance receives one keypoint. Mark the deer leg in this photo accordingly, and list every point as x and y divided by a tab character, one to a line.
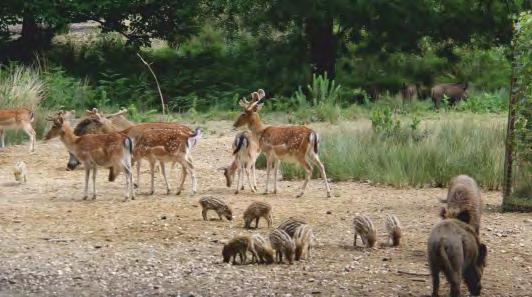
192	175
128	173
183	177
2	136
242	170
152	177
87	175
268	168
308	173
94	182
275	170
163	172
251	187
31	133
238	174
316	160
254	177
138	174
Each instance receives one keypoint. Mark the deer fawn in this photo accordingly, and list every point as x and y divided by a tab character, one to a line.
20	118
135	133
110	150
246	150
167	145
290	143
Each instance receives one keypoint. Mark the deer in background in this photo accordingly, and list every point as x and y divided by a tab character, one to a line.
20	118
246	150
287	143
166	144
110	150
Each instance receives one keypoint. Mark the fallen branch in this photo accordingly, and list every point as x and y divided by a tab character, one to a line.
156	81
412	273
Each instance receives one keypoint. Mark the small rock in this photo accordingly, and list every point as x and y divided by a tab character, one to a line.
163	217
329	212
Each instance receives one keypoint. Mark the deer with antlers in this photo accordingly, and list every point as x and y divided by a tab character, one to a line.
20	118
110	150
287	143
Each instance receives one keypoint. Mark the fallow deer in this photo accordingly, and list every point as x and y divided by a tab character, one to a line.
290	143
110	150
245	150
95	123
167	145
135	133
20	118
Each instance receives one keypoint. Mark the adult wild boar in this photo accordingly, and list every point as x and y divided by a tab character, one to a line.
454	248
455	92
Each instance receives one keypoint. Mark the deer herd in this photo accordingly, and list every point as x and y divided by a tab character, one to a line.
112	142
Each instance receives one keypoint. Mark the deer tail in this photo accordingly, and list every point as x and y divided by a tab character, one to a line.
314	140
239	143
193	139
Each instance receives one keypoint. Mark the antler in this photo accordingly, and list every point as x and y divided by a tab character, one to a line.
121	112
59	114
256	98
262	94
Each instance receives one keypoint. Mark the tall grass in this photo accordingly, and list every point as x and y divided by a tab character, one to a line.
20	87
408	157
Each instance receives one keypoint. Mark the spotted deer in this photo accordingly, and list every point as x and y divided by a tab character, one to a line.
135	133
288	143
167	145
245	151
109	150
20	118
96	123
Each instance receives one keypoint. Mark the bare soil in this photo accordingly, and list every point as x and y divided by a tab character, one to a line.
54	244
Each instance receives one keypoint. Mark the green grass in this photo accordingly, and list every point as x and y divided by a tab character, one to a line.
430	156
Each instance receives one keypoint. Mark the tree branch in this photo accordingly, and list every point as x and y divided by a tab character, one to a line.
156	81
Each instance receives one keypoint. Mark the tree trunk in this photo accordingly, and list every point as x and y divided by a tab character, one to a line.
321	41
29	36
33	38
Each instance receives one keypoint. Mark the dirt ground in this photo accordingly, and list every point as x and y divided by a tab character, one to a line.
53	243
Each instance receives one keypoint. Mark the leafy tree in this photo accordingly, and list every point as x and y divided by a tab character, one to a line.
380	27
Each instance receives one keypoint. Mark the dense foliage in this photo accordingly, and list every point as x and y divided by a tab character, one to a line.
212	51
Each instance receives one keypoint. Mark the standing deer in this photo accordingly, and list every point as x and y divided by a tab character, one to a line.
20	118
110	150
167	145
246	150
287	143
95	123
135	133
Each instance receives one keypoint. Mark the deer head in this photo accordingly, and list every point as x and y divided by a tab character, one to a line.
57	125
250	115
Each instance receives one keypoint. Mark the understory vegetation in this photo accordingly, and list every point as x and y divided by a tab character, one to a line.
413	153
